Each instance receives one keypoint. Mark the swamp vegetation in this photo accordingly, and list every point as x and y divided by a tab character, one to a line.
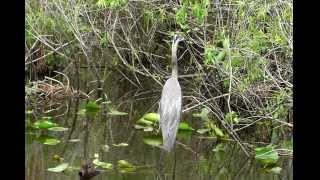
94	71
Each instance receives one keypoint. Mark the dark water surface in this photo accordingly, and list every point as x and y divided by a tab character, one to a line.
193	158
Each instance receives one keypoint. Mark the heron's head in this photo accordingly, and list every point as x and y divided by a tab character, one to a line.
175	42
177	39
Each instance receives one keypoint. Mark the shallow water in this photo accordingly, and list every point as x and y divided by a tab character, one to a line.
193	157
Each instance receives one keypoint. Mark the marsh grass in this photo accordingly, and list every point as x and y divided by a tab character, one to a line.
237	58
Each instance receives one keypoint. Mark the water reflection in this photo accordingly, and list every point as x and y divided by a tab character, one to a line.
193	159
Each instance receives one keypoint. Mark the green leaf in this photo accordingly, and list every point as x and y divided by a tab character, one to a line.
74	140
226	43
203	115
219	148
266	155
203	131
153	141
114	4
145	122
124	164
92	108
199	12
102	4
102	164
185	127
287	145
51	141
127	170
153	117
210	54
114	112
59	168
58	129
181	17
232	117
73	168
44	124
137	126
148	129
182	134
104	40
82	112
218	132
120	145
220	56
275	170
28	112
57	157
236	120
106	148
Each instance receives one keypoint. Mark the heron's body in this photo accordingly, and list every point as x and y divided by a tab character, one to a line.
170	103
170	110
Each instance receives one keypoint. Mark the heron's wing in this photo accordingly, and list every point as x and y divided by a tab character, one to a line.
170	110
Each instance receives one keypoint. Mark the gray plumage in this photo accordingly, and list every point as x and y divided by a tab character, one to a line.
170	103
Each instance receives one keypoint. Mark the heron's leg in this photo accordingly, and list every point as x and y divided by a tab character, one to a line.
161	165
174	162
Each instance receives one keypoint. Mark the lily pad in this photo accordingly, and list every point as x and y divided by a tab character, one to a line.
51	141
73	168
102	164
28	112
82	112
153	117
219	148
275	170
59	168
127	170
48	140
266	155
183	134
58	129
185	127
148	129
114	112
153	141
106	148
58	158
125	165
137	126
74	140
120	145
44	124
203	131
287	145
145	122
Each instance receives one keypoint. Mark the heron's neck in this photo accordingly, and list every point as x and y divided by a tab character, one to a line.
174	62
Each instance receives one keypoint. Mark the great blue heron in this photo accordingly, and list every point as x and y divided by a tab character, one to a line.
170	103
